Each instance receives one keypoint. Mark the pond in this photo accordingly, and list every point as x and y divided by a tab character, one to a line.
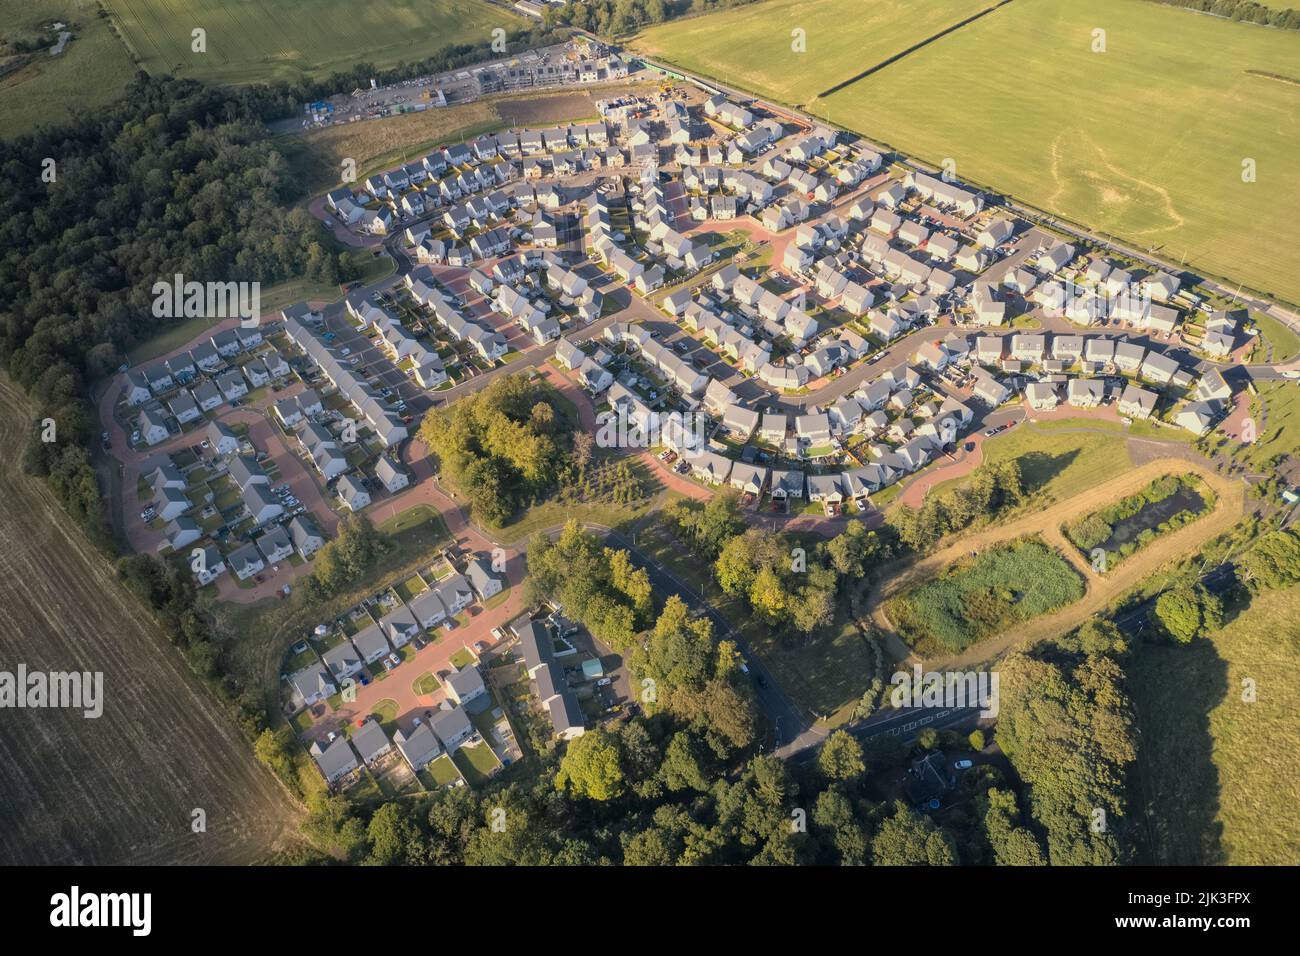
1152	516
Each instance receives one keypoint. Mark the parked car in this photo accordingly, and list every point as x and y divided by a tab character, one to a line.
963	765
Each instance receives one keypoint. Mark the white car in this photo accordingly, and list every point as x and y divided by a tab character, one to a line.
963	765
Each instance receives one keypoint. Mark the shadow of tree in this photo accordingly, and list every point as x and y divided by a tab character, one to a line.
1175	786
1037	468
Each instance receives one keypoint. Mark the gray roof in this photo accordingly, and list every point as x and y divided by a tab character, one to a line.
420	746
535	645
466	682
370	740
549	682
312	679
341	657
333	757
479	574
450	724
370	641
565	713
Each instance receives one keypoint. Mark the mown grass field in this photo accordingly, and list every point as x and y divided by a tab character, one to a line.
381	144
752	46
1144	141
1059	458
1220	776
92	70
263	40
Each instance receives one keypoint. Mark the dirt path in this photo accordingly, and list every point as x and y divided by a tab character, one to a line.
120	788
1100	591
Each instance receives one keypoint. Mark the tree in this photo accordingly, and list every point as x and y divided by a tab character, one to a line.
592	767
840	758
394	837
1273	561
1182	612
908	838
683	766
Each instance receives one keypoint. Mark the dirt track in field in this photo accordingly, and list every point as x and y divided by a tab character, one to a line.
1101	589
120	788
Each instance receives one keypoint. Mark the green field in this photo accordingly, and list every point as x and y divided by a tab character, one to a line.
92	70
1144	141
752	46
975	597
259	40
1060	458
1220	777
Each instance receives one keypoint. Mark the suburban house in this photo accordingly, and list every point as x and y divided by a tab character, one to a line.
452	726
352	493
336	759
465	685
420	748
370	741
481	578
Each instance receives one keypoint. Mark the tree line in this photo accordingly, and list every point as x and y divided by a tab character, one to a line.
175	177
1246	10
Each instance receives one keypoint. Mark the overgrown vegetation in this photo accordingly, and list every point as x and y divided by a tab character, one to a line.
598	587
176	178
990	592
992	488
1092	531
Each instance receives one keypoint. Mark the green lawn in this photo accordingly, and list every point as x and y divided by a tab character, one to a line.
174	336
1286	344
476	762
442	771
1276	411
1059	458
462	659
1221	776
1145	141
386	711
426	683
255	41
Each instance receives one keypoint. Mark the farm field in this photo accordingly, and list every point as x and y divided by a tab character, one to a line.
118	789
92	70
252	41
1145	141
751	46
1219	776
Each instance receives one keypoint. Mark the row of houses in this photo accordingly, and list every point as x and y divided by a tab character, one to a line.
487	342
385	423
